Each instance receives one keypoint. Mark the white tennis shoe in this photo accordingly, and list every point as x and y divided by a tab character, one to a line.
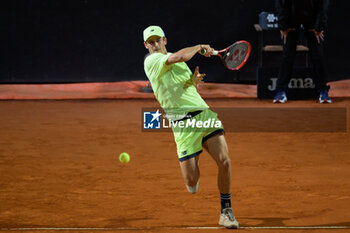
227	219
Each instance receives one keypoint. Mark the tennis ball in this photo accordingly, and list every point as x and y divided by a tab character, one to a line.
124	157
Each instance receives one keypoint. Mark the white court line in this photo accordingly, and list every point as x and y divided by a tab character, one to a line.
169	228
299	227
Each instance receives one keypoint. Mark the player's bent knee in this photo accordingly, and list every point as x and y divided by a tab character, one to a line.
193	189
225	165
191	179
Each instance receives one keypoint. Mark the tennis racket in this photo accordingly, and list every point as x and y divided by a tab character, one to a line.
234	56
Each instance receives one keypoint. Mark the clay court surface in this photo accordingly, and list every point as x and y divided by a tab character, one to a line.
59	172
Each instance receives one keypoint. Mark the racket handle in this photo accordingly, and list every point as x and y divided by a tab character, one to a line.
203	51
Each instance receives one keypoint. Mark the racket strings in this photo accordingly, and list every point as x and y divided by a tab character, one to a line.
235	55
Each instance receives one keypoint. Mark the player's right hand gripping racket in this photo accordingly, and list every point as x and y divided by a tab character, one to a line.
234	56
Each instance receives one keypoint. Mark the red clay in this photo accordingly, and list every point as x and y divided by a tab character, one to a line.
59	168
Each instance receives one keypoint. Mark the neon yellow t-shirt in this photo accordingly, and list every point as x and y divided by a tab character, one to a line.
172	86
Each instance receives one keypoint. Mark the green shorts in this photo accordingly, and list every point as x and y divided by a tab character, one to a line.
190	138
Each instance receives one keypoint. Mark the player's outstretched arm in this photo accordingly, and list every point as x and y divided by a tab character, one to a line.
186	54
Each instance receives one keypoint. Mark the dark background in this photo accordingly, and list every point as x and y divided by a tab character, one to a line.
62	41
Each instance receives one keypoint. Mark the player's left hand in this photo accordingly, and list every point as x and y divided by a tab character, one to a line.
197	78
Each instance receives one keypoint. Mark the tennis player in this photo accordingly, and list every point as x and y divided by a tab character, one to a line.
175	87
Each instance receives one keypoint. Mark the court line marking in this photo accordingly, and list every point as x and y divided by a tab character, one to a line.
169	228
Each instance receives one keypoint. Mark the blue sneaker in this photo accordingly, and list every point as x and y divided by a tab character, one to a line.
280	97
324	97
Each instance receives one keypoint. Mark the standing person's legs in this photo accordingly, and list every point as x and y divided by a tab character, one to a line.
317	60
287	60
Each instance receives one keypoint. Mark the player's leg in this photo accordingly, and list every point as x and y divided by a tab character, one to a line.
189	146
217	148
190	173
